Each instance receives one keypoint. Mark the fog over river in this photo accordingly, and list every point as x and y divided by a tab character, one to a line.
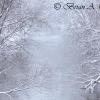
48	53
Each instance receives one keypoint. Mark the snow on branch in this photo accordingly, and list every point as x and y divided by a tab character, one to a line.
91	84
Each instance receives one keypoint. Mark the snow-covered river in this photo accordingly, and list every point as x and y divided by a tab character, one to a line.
60	55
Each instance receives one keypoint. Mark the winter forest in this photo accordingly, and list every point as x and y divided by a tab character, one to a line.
48	53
